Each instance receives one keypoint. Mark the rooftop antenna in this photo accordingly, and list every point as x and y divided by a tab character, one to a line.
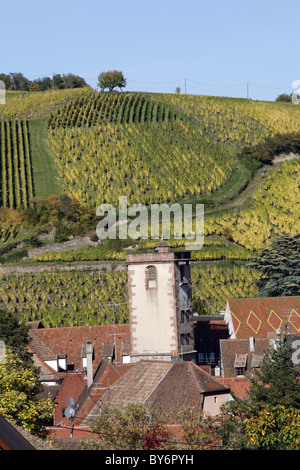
69	413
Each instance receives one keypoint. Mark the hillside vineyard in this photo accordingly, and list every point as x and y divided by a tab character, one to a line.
93	297
113	145
152	148
16	171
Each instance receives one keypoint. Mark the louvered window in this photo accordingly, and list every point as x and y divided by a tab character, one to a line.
151	277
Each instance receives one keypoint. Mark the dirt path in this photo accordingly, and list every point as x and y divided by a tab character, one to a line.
245	197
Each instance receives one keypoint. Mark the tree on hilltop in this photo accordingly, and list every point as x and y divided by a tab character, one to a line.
284	97
111	80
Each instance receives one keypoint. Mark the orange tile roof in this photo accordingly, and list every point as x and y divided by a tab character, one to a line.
159	384
69	340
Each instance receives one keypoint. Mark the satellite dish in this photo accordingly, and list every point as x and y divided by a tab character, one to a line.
70	401
69	412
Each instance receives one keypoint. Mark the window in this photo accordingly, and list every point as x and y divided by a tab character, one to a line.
240	364
240	371
185	339
151	277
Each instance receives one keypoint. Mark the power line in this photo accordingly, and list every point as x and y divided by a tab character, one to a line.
158	83
270	88
217	86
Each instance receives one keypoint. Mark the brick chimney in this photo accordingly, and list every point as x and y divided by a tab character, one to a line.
89	348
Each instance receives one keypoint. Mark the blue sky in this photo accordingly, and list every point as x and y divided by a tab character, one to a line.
218	47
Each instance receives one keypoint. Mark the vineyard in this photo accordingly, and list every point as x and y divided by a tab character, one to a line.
67	298
210	251
102	108
72	298
26	105
236	120
152	148
16	168
213	285
112	145
275	210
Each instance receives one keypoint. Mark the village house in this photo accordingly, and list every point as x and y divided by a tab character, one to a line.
167	357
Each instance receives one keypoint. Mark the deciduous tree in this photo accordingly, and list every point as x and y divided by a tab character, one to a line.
111	80
19	395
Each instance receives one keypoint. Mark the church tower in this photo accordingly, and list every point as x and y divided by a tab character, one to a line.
160	305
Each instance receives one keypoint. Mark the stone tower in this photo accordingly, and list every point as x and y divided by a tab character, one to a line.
160	305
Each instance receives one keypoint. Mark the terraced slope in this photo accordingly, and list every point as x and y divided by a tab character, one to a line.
111	145
76	297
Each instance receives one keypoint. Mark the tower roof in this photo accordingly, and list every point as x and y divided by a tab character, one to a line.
162	247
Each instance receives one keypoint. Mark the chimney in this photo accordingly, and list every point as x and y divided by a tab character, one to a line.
251	344
89	362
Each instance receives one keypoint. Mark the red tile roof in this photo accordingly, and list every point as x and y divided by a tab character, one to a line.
72	386
69	340
160	384
232	349
259	317
105	377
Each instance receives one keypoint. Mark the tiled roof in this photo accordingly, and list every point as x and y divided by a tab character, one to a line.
105	377
182	387
69	340
72	386
237	353
38	346
259	317
14	437
239	386
161	384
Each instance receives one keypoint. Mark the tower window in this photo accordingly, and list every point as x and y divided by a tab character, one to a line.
151	277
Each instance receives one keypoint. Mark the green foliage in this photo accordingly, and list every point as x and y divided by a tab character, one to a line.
136	427
19	395
14	333
280	267
276	382
272	146
17	82
284	97
274	428
111	80
270	419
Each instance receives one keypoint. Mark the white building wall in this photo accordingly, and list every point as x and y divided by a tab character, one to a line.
153	311
228	319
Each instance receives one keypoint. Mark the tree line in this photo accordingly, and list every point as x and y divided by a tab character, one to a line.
18	82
